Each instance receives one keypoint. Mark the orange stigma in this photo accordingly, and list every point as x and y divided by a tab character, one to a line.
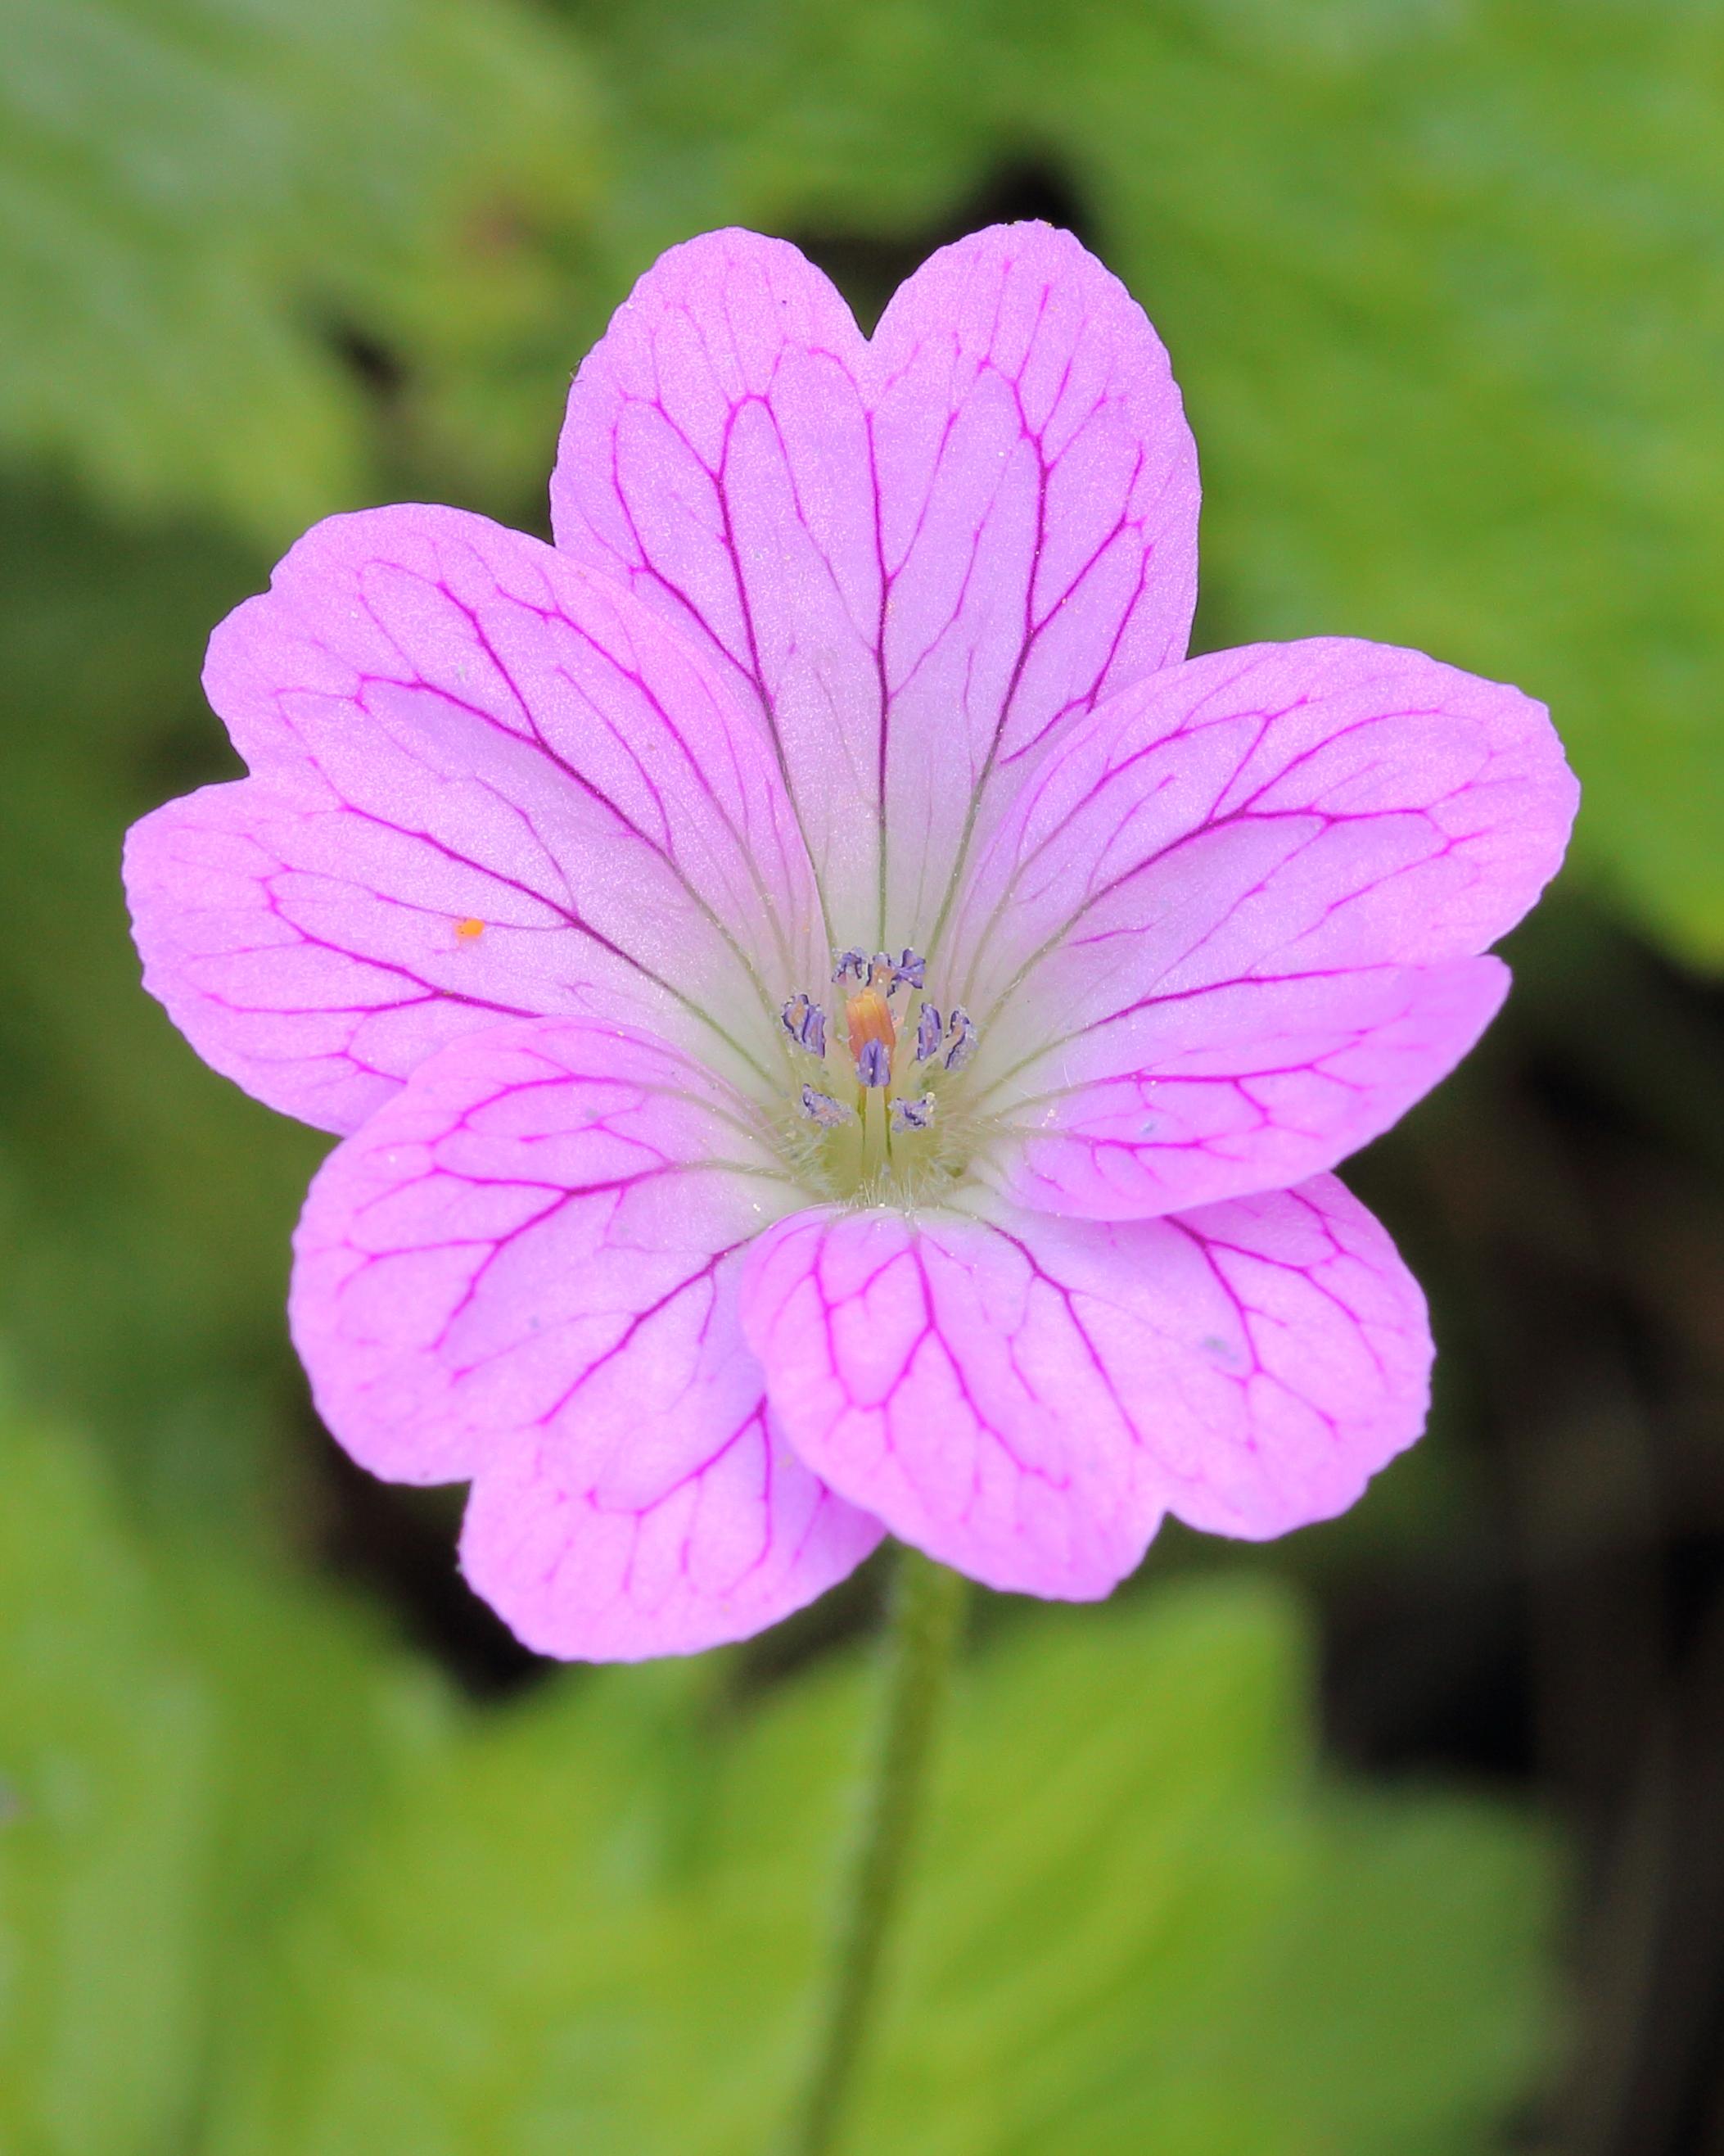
868	1016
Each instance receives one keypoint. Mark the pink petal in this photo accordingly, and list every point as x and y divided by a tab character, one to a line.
1224	934
919	555
523	1271
487	786
1024	1397
1250	1085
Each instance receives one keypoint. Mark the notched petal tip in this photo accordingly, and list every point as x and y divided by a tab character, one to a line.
895	1360
522	1272
1303	848
486	785
271	1010
919	555
1025	1398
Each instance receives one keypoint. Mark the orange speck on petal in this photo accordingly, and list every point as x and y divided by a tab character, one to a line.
467	929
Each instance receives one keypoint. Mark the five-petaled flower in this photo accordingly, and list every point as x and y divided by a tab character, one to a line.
837	1025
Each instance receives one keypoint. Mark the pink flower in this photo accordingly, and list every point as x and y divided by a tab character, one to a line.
836	1024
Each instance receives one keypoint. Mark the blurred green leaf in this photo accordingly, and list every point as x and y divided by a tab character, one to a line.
182	1738
145	1202
1447	292
1139	1921
196	196
1444	287
107	1760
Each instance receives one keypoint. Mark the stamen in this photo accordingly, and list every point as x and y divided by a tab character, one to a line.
805	1022
878	994
913	1115
961	1033
821	1109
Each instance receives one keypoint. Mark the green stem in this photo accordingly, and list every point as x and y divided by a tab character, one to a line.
927	1606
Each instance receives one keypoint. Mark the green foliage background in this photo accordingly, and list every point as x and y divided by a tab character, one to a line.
267	1889
1444	282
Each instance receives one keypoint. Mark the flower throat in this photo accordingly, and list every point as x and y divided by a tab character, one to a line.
879	1106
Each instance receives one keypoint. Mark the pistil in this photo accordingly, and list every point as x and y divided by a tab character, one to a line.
869	1022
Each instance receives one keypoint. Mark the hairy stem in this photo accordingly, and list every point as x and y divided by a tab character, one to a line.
927	1607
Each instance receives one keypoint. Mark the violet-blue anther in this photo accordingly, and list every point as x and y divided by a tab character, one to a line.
910	970
821	1109
873	1065
913	1115
805	1022
850	962
961	1034
795	1016
930	1027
